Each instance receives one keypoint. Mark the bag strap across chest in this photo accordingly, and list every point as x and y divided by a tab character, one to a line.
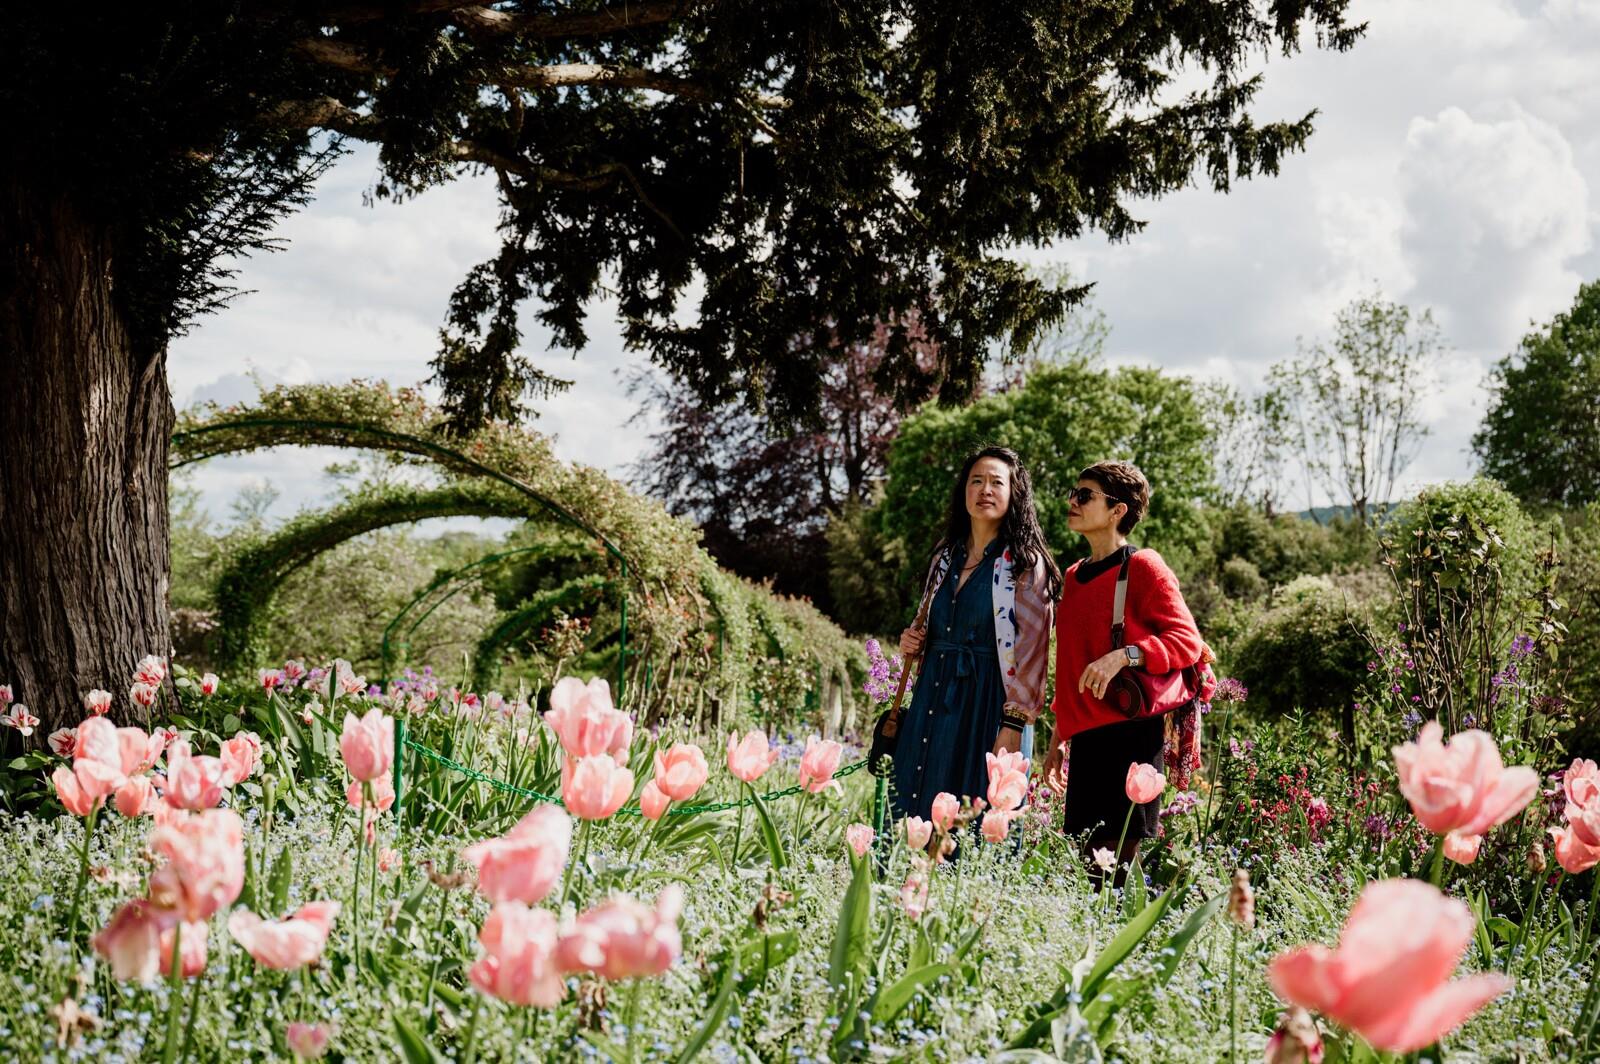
1119	602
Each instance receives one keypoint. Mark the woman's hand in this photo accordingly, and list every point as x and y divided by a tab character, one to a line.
1008	741
1097	677
1053	764
911	642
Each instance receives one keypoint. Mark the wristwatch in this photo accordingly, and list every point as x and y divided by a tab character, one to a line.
1135	655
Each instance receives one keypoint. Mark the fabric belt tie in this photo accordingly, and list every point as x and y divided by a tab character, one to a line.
966	663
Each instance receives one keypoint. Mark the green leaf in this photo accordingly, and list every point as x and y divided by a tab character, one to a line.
769	832
850	937
719	1014
1132	933
416	1048
1136	896
898	996
278	881
1116	993
759	955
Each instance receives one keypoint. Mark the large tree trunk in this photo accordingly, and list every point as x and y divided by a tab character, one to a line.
85	421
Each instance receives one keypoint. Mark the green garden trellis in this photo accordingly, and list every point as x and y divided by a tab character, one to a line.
458	578
345	433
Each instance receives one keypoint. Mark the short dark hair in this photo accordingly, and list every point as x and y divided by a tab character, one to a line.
1125	484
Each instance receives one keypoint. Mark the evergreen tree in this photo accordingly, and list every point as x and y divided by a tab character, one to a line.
792	173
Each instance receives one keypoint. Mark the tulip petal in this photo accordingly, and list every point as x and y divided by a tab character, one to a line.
1436	1014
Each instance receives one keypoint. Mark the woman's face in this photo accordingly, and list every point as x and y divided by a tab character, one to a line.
1099	514
988	490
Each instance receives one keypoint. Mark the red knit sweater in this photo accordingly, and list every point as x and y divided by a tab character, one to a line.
1155	618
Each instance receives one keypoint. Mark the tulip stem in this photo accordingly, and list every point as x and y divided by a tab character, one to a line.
355	884
1216	761
799	812
83	872
1233	998
1588	917
169	1051
468	1052
438	934
1436	862
738	829
567	873
188	1026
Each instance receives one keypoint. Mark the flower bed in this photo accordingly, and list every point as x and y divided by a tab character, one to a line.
257	884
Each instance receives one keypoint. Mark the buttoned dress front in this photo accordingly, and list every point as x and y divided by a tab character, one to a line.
956	706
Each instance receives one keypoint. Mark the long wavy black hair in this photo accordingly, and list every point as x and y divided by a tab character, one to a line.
1019	528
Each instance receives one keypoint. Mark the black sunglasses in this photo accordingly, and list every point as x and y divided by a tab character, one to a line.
1081	496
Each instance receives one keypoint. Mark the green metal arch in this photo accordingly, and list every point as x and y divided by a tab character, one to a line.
190	446
519	620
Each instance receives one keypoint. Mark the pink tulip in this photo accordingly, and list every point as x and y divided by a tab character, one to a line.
151	670
78	801
860	837
240	756
946	806
652	803
594	787
681	771
194	783
208	684
285	944
1010	761
518	965
97	702
382	795
1144	784
62	740
914	894
1296	1040
138	751
997	824
524	864
388	860
1462	849
1462	785
367	744
308	1041
918	832
1572	853
750	757
205	863
132	941
1581	782
1387	980
270	679
144	694
97	740
192	944
1007	790
5	695
623	939
585	722
135	796
818	763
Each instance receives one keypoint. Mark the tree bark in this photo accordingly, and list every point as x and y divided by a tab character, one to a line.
85	422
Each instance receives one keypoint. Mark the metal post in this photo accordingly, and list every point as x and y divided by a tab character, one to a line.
399	757
622	651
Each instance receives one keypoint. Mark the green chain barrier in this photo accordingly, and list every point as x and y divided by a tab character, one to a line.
627	810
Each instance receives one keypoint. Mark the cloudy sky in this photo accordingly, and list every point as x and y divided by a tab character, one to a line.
1450	169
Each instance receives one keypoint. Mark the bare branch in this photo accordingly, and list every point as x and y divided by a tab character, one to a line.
625	16
324	112
556	75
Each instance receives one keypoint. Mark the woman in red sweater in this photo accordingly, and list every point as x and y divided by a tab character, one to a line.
1097	743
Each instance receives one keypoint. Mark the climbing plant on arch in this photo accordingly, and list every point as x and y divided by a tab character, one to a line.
692	632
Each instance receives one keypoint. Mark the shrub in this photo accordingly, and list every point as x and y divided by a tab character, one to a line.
1307	651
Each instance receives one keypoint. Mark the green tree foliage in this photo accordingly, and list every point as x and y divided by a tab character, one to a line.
1356	402
804	170
1063	418
1250	445
1541	433
1578	589
1491	506
1307	651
